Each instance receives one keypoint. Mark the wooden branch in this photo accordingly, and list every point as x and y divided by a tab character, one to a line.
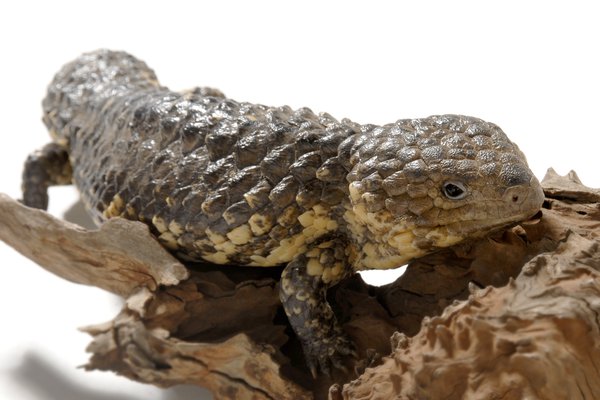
511	316
537	337
119	257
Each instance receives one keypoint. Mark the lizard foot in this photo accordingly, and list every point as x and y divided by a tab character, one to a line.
327	353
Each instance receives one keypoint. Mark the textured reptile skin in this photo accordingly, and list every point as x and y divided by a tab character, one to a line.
240	183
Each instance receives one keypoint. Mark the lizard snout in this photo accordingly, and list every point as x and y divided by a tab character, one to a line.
526	197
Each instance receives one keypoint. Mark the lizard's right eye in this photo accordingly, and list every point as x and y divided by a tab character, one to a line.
454	190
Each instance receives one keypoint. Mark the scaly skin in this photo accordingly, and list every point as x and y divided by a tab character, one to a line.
245	184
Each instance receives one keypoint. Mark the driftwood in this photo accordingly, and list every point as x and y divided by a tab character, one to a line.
512	316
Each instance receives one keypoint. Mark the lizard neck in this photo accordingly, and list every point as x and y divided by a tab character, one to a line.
378	239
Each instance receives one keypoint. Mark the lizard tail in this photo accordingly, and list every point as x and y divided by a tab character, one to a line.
93	77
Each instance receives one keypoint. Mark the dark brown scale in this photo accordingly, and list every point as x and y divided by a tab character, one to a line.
345	152
197	223
374	201
219	143
373	182
237	214
242	181
295	229
333	195
433	154
250	150
330	143
219	225
277	119
278	233
416	171
284	193
187	172
363	169
216	203
165	187
275	165
331	171
304	118
216	172
168	126
258	196
310	195
192	135
187	241
288	217
147	210
306	141
133	206
305	167
467	169
388	167
107	191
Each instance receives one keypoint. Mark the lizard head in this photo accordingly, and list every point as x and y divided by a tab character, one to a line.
420	185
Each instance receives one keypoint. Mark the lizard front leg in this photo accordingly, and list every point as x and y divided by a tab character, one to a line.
303	290
46	167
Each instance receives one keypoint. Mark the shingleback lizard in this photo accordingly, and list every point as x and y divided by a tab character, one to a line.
238	183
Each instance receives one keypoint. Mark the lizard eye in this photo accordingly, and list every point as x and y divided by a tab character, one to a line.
454	190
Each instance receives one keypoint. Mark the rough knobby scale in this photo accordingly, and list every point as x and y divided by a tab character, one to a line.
238	183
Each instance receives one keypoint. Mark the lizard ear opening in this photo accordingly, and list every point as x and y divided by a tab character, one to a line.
454	190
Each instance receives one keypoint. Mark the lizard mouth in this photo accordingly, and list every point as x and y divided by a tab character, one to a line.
480	228
444	236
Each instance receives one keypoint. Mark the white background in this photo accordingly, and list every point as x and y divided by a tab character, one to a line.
530	66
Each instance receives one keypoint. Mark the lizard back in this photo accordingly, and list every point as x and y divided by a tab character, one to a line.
215	179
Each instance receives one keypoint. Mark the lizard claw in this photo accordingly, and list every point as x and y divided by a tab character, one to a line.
328	353
313	369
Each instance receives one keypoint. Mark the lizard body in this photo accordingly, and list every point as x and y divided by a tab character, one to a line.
238	183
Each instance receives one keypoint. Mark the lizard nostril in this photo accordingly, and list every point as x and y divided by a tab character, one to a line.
515	198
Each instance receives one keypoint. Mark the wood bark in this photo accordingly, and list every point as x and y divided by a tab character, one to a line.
512	316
